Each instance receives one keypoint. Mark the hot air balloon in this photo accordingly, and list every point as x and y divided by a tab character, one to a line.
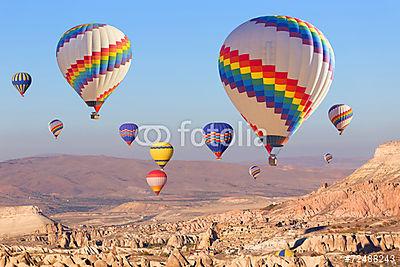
21	81
276	70
254	171
128	132
218	136
94	59
161	153
328	158
156	180
341	116
55	127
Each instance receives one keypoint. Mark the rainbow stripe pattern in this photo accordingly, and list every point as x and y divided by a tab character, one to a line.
266	85
262	65
298	28
55	127
98	63
95	70
340	116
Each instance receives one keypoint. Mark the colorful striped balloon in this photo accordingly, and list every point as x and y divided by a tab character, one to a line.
94	59
156	180
55	127
161	153
254	171
276	70
340	116
218	136
21	81
128	132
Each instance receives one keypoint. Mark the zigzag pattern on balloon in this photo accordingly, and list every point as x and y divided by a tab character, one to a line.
342	117
107	93
76	31
301	29
218	138
127	132
265	84
92	66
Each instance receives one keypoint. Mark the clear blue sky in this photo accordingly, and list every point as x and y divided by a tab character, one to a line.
174	74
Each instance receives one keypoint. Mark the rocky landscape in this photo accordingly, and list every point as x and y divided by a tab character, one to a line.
352	222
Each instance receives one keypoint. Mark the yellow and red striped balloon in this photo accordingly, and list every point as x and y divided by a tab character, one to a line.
156	179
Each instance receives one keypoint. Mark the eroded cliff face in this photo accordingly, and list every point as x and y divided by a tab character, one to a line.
22	220
372	190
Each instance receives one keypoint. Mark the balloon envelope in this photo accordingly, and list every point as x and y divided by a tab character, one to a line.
21	81
218	136
161	153
340	115
328	157
55	127
128	132
156	180
276	70
254	171
94	59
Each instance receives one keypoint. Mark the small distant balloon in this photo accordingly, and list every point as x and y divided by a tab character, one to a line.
156	180
254	171
328	157
21	81
128	132
161	153
218	136
340	116
55	127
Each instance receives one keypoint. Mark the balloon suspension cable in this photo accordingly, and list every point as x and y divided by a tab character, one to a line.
278	151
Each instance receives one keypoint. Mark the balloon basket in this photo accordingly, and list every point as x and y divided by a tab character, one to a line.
95	116
272	160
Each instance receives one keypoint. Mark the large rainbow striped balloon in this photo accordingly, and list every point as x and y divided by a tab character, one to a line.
276	71
94	59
